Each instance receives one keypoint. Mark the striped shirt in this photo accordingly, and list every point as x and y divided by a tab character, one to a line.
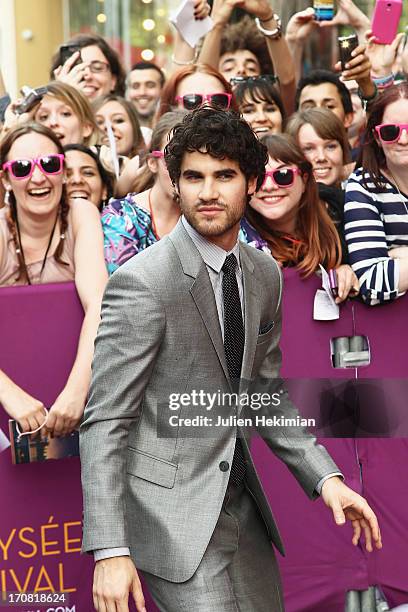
375	221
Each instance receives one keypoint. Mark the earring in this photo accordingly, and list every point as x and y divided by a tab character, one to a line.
7	197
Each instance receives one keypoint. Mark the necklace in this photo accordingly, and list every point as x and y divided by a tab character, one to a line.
21	250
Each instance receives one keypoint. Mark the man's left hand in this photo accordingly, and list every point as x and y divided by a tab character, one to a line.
347	504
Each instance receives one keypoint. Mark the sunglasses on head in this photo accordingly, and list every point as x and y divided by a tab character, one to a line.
270	78
192	101
390	132
282	177
157	154
23	168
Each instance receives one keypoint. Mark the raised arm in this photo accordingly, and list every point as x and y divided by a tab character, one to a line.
282	60
183	54
300	27
90	279
211	48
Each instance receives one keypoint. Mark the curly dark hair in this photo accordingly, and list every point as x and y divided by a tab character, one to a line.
245	35
223	135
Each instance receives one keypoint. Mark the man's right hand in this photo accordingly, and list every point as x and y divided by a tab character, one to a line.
114	579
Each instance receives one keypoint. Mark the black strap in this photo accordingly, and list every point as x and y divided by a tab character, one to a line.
20	245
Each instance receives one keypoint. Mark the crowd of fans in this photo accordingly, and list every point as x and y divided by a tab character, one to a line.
85	185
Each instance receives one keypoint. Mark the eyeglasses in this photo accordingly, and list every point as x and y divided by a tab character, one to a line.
282	177
96	66
157	154
390	132
23	168
270	78
192	101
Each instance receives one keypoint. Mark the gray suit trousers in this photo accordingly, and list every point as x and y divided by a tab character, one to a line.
238	572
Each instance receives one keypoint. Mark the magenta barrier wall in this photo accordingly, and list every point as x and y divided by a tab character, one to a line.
41	510
321	564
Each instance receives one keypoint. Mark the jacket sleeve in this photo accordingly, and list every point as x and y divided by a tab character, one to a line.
308	461
128	340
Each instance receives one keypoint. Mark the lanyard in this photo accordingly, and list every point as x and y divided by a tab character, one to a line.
22	250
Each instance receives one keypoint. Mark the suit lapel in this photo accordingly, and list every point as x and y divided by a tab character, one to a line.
203	295
201	288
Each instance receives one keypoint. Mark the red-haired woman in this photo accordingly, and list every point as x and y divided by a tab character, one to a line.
195	85
287	217
44	238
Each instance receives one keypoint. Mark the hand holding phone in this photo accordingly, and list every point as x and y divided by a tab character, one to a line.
386	16
347	44
67	50
31	98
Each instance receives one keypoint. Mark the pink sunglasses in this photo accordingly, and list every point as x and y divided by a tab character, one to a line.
390	132
192	101
157	154
24	168
282	177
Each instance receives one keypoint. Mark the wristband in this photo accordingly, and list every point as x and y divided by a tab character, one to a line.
367	101
384	82
273	34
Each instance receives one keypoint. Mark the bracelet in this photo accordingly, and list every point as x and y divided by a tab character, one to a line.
384	82
273	34
183	63
367	101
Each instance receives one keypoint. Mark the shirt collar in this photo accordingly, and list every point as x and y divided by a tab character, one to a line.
213	255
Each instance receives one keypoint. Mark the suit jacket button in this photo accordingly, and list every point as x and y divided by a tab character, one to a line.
224	466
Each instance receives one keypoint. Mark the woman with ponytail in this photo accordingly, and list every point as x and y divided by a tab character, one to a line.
44	238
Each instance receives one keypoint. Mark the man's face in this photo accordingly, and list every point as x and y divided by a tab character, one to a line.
143	89
213	195
325	95
239	63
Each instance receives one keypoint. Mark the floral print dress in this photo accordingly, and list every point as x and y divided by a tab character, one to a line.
127	230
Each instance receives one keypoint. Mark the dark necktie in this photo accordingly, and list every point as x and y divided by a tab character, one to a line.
234	340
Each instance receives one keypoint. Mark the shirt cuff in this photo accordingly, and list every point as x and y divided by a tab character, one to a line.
107	553
318	487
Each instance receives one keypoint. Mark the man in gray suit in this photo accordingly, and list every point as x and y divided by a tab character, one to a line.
197	312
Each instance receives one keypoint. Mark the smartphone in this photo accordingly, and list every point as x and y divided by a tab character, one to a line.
67	50
31	98
347	44
386	16
324	9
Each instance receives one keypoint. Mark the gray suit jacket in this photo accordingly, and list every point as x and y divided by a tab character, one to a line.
150	486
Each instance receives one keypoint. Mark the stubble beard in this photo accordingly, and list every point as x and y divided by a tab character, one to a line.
213	227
